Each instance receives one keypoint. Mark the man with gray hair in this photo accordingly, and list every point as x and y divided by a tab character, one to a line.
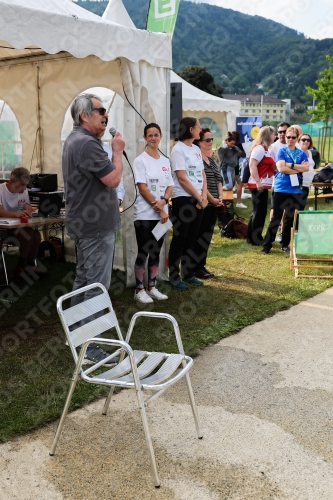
92	214
15	203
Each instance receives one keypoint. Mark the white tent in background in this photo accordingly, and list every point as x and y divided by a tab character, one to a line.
200	104
116	12
50	51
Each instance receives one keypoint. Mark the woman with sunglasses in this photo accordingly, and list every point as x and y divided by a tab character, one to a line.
262	169
229	155
291	162
305	143
215	199
189	198
154	181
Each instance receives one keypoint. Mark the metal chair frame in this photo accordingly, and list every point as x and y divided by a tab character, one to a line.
126	374
4	265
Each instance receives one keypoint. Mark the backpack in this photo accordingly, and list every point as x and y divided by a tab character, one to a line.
224	216
236	228
245	172
325	174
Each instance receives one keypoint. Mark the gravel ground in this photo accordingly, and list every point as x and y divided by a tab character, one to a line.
265	399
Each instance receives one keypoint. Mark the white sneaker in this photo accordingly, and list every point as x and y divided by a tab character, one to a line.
155	294
245	195
142	297
240	205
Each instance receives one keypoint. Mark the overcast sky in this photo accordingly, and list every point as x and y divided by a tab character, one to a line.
314	18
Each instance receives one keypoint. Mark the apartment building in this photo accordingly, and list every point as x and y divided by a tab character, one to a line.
268	107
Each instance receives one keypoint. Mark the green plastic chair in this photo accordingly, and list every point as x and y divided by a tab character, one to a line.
314	237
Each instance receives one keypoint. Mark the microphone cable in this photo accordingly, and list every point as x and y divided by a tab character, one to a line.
142	118
135	186
113	131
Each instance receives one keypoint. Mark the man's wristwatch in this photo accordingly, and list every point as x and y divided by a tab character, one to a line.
292	166
166	200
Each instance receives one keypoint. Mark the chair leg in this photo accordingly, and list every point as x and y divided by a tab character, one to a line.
149	443
4	266
193	406
107	401
64	413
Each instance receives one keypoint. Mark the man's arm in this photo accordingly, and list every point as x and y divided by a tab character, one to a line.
113	178
15	215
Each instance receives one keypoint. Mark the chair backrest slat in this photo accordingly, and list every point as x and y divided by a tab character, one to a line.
84	309
93	328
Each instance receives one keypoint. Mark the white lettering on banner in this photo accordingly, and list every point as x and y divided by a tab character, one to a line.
319	227
164	8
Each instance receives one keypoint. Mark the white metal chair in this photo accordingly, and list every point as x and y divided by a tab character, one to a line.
156	371
4	262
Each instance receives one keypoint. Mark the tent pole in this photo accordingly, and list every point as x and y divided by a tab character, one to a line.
39	130
148	13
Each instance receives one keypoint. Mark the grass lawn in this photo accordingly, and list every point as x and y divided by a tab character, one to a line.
36	366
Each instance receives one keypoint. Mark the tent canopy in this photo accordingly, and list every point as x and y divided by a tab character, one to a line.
53	26
51	51
195	99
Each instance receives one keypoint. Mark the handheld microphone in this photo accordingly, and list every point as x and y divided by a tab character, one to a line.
113	131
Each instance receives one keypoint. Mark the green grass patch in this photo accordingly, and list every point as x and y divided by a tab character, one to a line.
36	366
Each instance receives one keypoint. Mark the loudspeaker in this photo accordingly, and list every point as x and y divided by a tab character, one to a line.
176	108
44	182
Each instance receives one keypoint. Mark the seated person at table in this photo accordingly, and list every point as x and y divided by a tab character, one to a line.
15	203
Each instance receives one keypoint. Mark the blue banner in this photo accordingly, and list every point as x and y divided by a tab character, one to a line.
248	128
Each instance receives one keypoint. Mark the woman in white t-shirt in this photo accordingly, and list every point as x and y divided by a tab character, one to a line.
262	168
189	198
305	142
153	178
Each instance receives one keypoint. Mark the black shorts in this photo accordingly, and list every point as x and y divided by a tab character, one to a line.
237	170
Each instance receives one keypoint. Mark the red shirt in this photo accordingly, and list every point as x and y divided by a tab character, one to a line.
266	170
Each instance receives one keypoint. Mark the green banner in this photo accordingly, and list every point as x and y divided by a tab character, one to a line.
162	16
315	233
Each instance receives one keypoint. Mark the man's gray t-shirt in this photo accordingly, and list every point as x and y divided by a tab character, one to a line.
91	207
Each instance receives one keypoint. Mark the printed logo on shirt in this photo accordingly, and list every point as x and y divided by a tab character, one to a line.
198	155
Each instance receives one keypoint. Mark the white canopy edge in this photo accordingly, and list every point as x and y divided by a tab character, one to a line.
195	99
54	26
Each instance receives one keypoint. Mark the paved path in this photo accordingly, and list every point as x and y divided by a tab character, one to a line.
265	399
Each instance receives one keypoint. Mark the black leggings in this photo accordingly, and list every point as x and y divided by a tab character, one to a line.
147	247
186	220
282	202
205	236
257	217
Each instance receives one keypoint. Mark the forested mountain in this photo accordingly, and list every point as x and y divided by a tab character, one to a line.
239	50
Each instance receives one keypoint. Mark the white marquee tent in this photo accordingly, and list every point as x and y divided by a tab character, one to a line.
195	101
200	104
50	51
